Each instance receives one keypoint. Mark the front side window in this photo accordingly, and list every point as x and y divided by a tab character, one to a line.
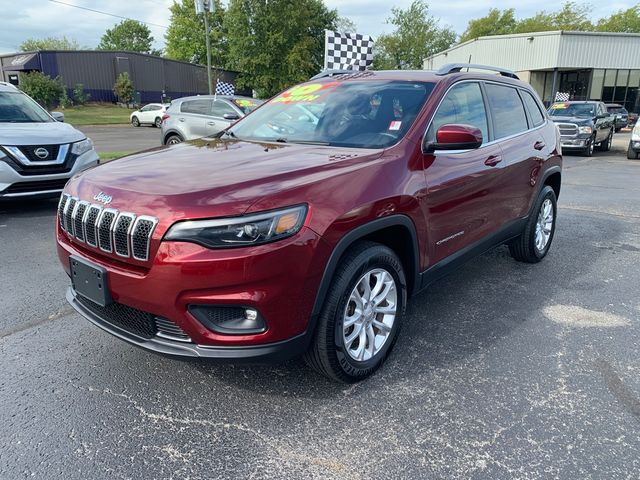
534	110
462	104
507	110
349	113
200	107
16	107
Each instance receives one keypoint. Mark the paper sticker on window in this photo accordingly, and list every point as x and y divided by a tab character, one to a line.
557	106
395	125
308	92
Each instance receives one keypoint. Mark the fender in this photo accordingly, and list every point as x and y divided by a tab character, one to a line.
347	240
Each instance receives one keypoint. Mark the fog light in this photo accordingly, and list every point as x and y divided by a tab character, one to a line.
229	320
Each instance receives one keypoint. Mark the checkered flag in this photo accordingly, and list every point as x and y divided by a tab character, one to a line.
224	88
347	51
562	97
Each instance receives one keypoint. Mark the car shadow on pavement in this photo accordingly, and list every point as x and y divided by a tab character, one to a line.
27	207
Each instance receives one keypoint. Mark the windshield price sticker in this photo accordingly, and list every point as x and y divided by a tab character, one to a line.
557	106
309	92
242	102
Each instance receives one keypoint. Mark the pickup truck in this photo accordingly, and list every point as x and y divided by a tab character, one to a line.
583	125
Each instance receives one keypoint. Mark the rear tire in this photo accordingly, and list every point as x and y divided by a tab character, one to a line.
158	122
135	122
605	146
534	242
359	325
173	139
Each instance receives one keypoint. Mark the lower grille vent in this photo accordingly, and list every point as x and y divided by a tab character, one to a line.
127	318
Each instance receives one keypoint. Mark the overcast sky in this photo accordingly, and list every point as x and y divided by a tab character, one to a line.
43	18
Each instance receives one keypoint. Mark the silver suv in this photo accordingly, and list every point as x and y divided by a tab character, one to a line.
203	116
38	153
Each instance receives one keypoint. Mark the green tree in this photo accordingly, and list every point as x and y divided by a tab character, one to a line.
346	25
128	35
123	88
42	88
572	16
276	43
495	23
627	21
49	43
416	36
186	38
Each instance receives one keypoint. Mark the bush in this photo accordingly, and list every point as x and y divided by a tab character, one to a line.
79	95
123	88
64	101
42	88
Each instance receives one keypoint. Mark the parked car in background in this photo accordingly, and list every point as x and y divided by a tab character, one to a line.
150	114
38	153
266	243
620	115
203	115
633	119
633	151
583	125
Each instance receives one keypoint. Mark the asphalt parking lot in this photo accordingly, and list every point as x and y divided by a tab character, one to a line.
123	138
503	370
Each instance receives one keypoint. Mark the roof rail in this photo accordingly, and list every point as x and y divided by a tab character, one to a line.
331	73
457	67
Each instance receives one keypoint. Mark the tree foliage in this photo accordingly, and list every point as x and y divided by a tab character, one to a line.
49	43
80	97
42	88
186	38
276	43
123	88
627	21
416	36
128	35
495	23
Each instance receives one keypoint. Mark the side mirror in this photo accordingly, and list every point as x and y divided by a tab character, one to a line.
231	116
456	137
58	116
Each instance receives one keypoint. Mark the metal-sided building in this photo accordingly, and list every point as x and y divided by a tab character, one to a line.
152	76
587	66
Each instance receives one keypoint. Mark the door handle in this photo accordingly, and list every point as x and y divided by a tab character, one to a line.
211	123
493	160
539	145
181	119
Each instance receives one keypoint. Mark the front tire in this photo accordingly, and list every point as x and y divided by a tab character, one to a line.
631	154
362	314
588	151
534	242
135	122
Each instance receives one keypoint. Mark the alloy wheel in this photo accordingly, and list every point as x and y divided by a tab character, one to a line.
370	314
544	225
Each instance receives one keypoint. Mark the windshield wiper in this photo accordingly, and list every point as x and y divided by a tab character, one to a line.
302	142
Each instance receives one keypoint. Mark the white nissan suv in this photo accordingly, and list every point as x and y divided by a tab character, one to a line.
38	153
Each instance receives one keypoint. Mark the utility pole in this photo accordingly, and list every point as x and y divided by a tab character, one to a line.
202	7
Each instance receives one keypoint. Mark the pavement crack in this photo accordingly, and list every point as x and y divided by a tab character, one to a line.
21	327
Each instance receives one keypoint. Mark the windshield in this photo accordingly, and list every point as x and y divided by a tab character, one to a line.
360	114
616	110
247	105
572	110
16	107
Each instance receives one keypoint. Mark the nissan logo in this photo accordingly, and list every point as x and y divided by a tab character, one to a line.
103	198
41	153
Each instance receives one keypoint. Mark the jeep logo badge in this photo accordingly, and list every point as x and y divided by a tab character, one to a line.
41	153
103	197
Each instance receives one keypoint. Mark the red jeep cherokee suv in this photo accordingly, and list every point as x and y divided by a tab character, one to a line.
304	227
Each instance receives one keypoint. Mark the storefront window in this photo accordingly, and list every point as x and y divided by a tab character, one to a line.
597	81
609	85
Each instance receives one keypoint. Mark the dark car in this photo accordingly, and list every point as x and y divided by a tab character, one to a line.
620	115
276	239
583	126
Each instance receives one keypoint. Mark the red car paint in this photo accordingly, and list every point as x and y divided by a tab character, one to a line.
442	194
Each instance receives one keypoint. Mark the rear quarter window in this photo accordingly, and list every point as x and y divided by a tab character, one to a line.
533	107
200	107
507	110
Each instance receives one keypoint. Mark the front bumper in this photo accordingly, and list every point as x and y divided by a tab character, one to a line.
37	185
577	143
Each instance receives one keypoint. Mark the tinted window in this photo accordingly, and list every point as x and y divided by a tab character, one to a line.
534	109
351	113
201	107
221	107
507	110
463	105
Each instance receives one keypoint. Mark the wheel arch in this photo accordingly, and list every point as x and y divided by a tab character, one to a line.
169	134
553	178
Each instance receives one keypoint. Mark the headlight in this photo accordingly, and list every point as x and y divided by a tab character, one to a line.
82	146
240	231
585	129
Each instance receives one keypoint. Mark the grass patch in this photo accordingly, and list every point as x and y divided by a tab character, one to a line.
97	114
108	156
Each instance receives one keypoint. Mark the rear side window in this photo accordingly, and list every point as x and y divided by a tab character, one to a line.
462	105
201	107
220	108
507	110
534	109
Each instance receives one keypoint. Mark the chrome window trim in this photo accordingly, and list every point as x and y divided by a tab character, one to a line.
114	225
101	219
133	229
20	157
492	142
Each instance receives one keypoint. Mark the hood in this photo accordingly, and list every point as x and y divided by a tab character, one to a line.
35	133
209	178
576	120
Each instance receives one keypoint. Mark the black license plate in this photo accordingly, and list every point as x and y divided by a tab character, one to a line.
90	281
